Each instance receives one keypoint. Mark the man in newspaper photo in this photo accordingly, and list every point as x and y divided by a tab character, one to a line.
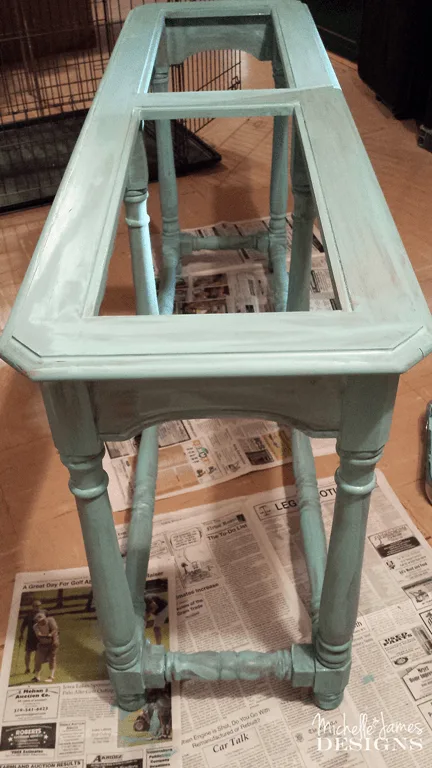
46	631
163	707
31	639
156	615
154	720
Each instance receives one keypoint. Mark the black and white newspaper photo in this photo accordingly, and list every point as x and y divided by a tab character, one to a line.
57	705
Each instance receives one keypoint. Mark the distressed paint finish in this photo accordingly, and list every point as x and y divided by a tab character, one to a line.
325	374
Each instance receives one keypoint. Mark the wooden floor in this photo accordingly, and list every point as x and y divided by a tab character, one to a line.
38	524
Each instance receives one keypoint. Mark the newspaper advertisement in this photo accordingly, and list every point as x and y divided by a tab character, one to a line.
198	453
57	706
242	584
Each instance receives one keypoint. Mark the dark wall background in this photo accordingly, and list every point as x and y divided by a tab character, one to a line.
339	23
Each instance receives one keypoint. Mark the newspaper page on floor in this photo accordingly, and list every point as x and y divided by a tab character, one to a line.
202	452
242	584
56	703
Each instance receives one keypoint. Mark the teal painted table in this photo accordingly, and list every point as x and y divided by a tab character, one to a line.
326	374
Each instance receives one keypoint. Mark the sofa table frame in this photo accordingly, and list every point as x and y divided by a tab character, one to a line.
325	374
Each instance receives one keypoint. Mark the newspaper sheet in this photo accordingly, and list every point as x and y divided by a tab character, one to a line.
242	583
199	453
56	702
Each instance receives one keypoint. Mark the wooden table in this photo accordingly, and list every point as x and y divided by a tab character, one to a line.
334	374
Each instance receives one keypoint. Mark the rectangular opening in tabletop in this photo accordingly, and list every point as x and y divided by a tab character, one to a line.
184	37
220	240
232	201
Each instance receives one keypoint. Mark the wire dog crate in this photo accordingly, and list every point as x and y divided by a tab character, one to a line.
52	56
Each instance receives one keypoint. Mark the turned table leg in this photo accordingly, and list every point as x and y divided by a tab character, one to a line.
340	596
138	221
72	424
303	221
168	200
279	202
141	525
366	417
